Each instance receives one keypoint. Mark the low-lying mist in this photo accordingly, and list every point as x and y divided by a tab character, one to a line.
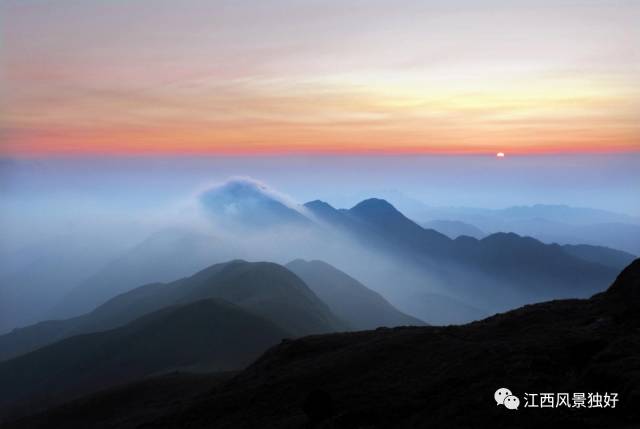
74	237
94	259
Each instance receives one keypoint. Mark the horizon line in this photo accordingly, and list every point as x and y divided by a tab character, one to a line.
239	153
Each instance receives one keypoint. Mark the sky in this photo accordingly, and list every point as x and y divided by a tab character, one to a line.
113	108
115	115
165	78
153	189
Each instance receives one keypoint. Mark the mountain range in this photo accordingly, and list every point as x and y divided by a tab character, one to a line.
513	269
412	376
341	342
266	289
373	241
218	319
549	223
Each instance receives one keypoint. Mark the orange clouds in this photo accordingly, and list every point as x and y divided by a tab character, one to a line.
337	114
149	77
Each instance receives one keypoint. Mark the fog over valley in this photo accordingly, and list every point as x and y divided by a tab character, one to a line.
70	245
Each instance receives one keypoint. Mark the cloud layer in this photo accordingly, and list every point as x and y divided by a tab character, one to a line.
329	77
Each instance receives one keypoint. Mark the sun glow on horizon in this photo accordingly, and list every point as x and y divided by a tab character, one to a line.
357	89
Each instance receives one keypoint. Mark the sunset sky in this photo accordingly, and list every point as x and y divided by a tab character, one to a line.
254	77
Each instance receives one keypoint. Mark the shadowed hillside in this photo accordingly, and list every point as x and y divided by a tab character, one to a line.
128	406
437	377
207	334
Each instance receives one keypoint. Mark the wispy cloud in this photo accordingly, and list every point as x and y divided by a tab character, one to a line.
244	77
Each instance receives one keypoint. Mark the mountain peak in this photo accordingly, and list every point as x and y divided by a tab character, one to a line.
317	205
249	203
374	205
509	239
324	211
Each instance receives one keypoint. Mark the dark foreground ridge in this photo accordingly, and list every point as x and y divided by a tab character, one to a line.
424	377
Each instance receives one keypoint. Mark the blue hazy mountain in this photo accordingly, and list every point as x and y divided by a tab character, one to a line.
28	273
166	255
565	214
507	270
378	214
349	299
505	262
549	223
550	212
266	289
501	279
245	203
374	218
613	258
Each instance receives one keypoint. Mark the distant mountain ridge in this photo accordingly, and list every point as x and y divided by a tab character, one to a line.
550	212
503	256
549	223
454	228
616	259
526	273
464	270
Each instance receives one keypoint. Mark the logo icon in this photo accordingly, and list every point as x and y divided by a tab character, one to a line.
503	396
